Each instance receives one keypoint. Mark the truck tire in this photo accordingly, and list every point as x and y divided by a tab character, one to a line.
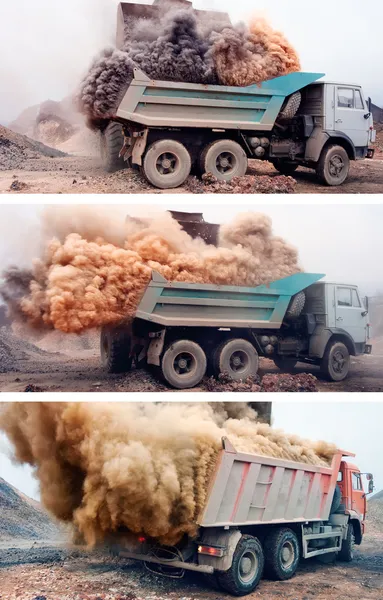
167	164
112	141
284	166
225	159
296	306
286	364
334	165
290	107
115	347
237	358
335	364
246	569
282	554
346	553
184	364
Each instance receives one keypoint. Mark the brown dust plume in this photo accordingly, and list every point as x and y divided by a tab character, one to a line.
139	468
89	278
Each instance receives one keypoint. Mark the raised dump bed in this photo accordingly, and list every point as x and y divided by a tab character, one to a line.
253	108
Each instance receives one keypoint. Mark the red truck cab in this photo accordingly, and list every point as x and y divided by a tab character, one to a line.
354	497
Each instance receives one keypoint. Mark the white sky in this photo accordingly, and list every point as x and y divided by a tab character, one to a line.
46	45
342	241
352	427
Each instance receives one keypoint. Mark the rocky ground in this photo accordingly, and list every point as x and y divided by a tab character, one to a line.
73	167
58	365
56	572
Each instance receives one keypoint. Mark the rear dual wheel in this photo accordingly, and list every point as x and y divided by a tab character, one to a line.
224	159
237	358
167	164
184	364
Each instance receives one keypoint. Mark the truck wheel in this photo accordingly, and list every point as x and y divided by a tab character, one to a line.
284	166
246	569
282	554
346	553
334	166
286	364
237	358
167	164
115	347
224	159
184	364
112	141
336	362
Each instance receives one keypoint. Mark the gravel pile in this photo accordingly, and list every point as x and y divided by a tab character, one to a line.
13	350
16	149
280	382
249	184
22	517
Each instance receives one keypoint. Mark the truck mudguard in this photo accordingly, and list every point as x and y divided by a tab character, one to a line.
226	539
349	143
320	339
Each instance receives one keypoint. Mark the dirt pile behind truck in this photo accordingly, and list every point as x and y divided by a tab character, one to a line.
139	469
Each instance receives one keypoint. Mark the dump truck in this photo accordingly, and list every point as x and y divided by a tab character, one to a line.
169	128
185	330
261	516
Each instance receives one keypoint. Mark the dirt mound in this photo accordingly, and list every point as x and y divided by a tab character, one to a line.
281	382
375	511
22	517
13	350
16	149
249	184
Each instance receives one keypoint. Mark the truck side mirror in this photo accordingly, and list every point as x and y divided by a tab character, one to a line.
369	104
370	486
366	303
365	313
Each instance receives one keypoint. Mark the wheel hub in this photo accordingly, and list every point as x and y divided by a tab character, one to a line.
184	363
248	566
225	162
167	163
336	166
239	361
287	555
338	362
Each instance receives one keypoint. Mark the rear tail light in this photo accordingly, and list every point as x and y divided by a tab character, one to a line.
210	551
142	540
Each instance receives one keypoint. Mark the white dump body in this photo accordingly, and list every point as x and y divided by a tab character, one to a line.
253	490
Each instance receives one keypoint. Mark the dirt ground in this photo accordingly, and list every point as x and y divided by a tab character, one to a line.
82	372
85	175
56	572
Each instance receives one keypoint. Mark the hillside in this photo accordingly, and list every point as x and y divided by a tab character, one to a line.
375	510
23	518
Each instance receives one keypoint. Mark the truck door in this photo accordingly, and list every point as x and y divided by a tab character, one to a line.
350	115
351	315
358	498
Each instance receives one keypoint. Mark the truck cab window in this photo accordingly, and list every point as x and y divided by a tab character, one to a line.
357	482
355	299
358	100
345	98
344	297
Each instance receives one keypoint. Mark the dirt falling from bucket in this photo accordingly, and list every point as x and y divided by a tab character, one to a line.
90	278
140	468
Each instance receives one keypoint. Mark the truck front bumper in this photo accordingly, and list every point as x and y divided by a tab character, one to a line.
368	349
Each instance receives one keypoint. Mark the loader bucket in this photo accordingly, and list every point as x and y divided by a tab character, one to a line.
130	11
193	223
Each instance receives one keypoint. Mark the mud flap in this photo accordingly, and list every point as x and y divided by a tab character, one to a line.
139	147
155	349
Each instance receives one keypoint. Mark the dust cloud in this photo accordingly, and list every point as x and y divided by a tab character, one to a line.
143	469
188	50
94	272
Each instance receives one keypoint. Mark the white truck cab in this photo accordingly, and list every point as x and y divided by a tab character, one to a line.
349	113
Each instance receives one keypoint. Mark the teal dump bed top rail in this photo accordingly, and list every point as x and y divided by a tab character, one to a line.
197	305
172	104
